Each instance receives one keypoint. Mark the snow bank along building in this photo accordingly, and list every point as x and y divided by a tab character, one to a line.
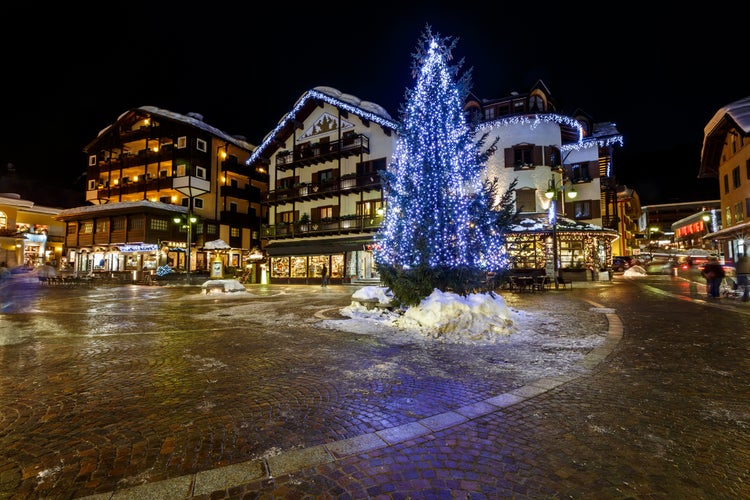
158	181
324	198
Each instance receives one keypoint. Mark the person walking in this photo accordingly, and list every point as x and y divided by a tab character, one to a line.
713	272
742	266
324	274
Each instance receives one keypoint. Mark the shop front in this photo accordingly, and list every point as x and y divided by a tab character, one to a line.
301	262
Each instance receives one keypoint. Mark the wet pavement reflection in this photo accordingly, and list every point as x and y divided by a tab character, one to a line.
109	388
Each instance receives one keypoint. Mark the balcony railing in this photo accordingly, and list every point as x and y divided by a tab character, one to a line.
323	152
312	191
345	224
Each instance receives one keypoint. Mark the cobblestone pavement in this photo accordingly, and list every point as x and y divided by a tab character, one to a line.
149	392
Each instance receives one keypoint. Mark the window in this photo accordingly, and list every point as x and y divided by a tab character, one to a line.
726	184
197	202
200	172
181	142
325	212
747	169
86	228
326	176
92	160
489	113
3	220
536	104
728	216
159	225
234	232
201	145
118	223
579	172
522	156
526	200
582	209
739	215
371	166
232	207
370	208
736	177
102	226
165	199
181	170
162	173
92	184
285	217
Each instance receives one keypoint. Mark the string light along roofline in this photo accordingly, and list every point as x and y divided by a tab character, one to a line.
537	119
325	97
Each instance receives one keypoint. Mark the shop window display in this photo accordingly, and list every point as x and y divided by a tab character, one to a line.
299	267
280	267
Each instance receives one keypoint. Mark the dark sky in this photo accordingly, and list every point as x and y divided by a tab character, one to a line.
659	75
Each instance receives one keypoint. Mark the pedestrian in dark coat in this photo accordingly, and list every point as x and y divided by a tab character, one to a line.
742	266
324	274
713	272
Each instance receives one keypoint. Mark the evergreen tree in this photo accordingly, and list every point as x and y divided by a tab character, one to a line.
444	224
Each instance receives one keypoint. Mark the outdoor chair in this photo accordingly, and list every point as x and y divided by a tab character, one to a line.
564	283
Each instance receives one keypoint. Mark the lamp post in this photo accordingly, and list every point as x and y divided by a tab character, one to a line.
191	219
192	187
551	195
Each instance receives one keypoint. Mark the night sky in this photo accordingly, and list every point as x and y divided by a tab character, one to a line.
659	75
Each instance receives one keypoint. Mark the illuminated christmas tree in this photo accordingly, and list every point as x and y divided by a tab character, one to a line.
443	226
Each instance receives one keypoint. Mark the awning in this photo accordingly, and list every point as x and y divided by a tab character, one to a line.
317	247
731	232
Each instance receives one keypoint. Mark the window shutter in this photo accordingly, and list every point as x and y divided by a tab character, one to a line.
537	155
509	158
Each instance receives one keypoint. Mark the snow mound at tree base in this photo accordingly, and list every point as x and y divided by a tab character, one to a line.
445	316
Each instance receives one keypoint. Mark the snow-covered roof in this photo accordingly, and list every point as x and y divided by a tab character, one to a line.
530	223
364	109
738	111
15	200
735	114
121	205
193	119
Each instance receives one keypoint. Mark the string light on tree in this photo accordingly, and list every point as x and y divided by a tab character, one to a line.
442	217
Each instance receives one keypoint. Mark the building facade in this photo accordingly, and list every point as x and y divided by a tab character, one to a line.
628	215
162	185
325	197
726	156
29	234
563	169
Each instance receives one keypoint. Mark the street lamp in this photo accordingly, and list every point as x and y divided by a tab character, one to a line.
551	195
191	186
191	219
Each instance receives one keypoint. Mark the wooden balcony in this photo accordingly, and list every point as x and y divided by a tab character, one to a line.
320	153
344	185
341	225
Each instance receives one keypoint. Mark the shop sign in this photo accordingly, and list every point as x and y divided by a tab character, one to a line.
143	247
